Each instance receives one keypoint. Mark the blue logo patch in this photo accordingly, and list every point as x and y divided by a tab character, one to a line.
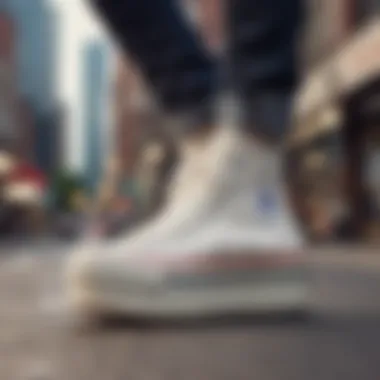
266	202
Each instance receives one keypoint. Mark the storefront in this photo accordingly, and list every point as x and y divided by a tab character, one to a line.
23	200
338	115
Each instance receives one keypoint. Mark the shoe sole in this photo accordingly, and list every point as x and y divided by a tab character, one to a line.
268	294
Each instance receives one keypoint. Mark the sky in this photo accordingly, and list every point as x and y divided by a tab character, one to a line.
79	25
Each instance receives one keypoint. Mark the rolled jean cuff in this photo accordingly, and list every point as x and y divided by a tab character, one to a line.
269	115
199	118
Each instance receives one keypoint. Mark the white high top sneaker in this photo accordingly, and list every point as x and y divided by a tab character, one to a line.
227	241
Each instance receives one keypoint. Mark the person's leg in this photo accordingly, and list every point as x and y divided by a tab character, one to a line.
263	55
227	239
170	55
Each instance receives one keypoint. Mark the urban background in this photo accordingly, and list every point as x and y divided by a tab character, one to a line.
78	125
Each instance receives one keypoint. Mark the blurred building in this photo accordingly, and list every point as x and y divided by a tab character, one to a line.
28	132
35	37
95	92
8	92
7	40
339	98
47	137
341	45
327	26
37	26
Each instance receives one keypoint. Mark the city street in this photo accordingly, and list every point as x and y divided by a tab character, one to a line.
339	341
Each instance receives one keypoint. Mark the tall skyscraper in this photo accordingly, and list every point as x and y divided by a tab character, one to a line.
95	91
36	27
8	122
36	31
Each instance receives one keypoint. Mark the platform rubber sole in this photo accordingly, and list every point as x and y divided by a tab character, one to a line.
289	295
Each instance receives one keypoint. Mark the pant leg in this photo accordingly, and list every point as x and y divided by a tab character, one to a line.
263	59
156	34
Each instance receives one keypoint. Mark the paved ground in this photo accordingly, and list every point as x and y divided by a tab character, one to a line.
341	341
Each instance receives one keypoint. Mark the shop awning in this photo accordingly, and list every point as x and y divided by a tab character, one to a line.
26	185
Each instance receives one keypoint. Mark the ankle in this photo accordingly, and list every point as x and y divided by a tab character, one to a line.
193	122
262	141
268	116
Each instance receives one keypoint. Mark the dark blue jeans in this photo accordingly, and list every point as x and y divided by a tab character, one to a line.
260	60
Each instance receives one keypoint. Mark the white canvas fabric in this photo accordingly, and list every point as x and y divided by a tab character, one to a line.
228	197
